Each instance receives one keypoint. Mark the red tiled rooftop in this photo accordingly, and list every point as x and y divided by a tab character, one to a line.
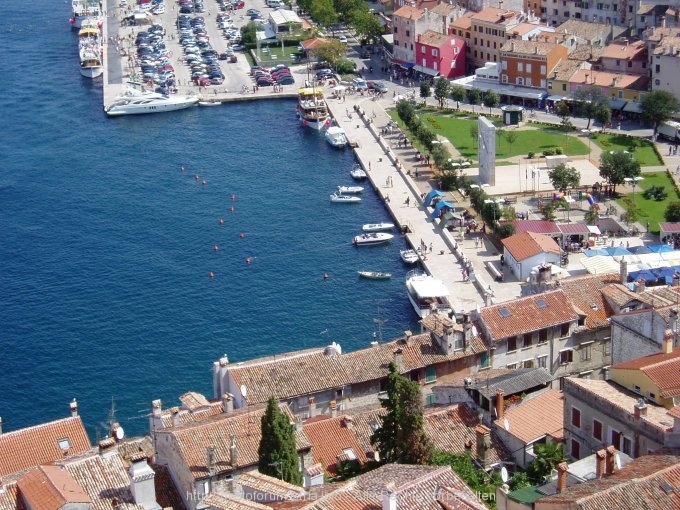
330	437
536	418
527	244
585	293
408	12
537	227
50	488
662	369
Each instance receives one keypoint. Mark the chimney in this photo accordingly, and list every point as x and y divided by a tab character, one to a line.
640	409
667	345
233	452
407	335
499	404
175	416
623	272
512	46
298	423
389	497
676	280
610	463
663	21
107	447
600	463
641	285
228	403
399	359
334	408
483	434
210	461
156	408
142	483
312	407
562	476
74	408
348	422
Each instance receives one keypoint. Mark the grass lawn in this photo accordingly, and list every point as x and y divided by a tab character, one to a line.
458	131
644	153
652	211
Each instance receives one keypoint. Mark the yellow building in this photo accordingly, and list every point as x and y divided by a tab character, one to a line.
655	377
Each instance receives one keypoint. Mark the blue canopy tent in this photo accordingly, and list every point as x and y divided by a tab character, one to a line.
660	248
617	250
666	273
441	205
639	250
593	252
431	196
645	274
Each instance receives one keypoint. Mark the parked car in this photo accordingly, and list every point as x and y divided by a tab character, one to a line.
377	85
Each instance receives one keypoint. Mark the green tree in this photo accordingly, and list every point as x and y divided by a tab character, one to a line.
324	12
441	90
474	97
632	213
278	456
591	216
548	456
564	177
603	115
491	100
425	89
331	51
615	166
548	210
457	94
366	25
248	32
519	480
672	212
505	230
587	100
564	113
406	111
474	133
658	106
401	437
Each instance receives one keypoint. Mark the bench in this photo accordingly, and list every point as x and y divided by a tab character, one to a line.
495	272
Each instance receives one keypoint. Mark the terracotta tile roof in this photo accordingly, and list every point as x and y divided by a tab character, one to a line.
635	50
134	446
495	15
51	487
408	12
662	369
537	227
521	47
443	9
25	448
330	438
584	29
641	485
308	372
452	429
167	494
415	487
611	393
675	412
188	416
609	79
432	38
527	244
272	486
9	497
586	53
192	440
365	420
522	29
464	22
527	314
565	69
223	500
193	401
536	418
619	295
584	292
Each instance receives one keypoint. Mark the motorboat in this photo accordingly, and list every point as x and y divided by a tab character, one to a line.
84	9
372	238
312	109
336	136
358	173
344	199
375	275
409	256
377	227
350	189
427	294
134	102
90	48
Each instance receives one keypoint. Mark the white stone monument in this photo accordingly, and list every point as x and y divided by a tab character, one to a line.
487	151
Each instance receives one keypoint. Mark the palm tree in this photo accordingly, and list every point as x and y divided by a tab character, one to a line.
548	456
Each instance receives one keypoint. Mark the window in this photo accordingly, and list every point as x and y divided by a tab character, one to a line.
520	81
511	366
543	70
564	87
505	78
657	68
620	94
636	388
586	352
651	396
528	363
528	339
484	360
542	336
575	449
434	52
431	399
520	67
528	68
64	444
430	374
512	343
576	417
606	346
527	81
423	49
504	65
618	63
626	446
566	356
475	41
408	33
597	430
564	330
543	361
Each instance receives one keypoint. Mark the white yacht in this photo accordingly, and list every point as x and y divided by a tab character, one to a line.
427	294
134	102
336	136
84	9
312	109
90	49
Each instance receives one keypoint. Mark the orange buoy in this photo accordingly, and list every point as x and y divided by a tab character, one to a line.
204	183
216	247
231	209
325	276
248	260
221	221
196	177
242	235
211	274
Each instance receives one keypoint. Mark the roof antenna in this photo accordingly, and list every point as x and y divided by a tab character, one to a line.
379	322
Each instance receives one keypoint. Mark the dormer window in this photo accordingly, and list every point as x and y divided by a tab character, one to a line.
65	444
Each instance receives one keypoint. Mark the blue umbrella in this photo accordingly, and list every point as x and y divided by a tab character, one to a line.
638	250
431	195
645	275
660	248
440	205
666	273
617	250
592	252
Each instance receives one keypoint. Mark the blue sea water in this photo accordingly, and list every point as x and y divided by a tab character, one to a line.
106	246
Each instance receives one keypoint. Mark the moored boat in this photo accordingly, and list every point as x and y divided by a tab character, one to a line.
409	256
90	49
336	136
372	238
377	227
312	109
375	275
427	294
358	173
339	198
84	9
350	189
135	102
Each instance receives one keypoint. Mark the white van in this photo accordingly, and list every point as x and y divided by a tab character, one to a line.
669	130
274	3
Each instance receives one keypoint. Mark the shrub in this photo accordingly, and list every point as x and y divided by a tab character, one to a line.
344	66
558	150
531	155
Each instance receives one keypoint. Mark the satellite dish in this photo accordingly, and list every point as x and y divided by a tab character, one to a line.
506	424
244	391
617	460
504	475
120	433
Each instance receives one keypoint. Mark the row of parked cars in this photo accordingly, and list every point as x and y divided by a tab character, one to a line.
279	75
199	55
191	6
154	59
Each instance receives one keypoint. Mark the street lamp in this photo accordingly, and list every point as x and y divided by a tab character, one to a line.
633	182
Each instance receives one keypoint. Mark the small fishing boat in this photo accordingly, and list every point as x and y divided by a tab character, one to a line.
358	173
377	227
350	189
336	136
375	275
372	238
409	256
339	198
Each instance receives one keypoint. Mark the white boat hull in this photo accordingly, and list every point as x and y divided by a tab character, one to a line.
317	124
92	72
427	295
409	256
377	227
372	239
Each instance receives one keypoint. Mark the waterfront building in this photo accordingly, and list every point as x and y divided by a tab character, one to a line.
440	55
664	58
530	63
490	29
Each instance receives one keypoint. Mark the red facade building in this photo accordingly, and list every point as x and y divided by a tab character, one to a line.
440	54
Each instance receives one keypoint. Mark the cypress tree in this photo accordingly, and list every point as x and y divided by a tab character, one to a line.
277	452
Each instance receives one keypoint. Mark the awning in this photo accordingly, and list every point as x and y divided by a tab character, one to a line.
452	216
600	264
431	195
426	70
407	65
555	98
441	205
632	107
594	230
616	104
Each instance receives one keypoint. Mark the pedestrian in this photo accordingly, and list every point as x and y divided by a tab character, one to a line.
430	247
387	199
408	201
